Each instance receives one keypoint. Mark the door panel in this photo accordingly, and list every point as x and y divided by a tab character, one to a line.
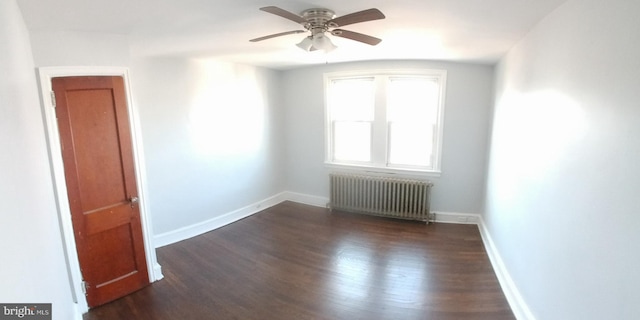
100	176
96	146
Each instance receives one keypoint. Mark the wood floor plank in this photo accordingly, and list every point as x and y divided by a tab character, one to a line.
294	261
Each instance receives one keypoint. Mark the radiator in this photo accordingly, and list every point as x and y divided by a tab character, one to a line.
381	196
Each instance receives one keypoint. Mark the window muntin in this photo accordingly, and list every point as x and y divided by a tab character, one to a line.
388	120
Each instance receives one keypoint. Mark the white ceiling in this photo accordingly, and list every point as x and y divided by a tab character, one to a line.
478	31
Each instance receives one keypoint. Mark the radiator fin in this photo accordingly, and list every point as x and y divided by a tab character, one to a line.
382	196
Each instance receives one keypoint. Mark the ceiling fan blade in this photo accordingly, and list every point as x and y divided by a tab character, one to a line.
356	17
356	36
277	35
285	14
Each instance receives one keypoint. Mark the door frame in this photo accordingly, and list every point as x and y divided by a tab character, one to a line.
45	75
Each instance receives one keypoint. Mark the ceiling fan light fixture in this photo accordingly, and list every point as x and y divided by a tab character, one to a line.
319	21
322	42
306	44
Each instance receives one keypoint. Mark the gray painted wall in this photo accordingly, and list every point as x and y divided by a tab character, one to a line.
213	137
562	176
459	189
212	131
562	203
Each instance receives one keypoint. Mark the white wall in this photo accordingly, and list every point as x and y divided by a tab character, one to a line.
213	137
562	203
459	189
33	268
211	131
66	48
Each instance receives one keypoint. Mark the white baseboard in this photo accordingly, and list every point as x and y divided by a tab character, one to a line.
516	302
157	272
457	217
193	230
307	199
78	311
511	292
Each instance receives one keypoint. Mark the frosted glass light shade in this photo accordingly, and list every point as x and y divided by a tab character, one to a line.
321	42
306	44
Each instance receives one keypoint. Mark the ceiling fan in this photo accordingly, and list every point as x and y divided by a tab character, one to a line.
319	21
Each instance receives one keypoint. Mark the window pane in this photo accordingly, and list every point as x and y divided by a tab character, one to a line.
389	121
352	99
352	141
410	144
414	99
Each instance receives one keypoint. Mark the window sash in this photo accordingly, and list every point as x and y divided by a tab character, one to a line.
405	155
386	128
358	148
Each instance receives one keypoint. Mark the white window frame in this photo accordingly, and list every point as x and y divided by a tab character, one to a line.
379	162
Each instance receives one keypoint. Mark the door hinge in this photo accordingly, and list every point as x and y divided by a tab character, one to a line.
85	286
53	99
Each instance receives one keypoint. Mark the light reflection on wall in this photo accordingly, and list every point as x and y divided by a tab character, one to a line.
533	132
539	127
227	112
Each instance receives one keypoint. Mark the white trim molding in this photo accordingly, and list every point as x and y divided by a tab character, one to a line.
45	75
307	199
517	304
197	229
379	153
514	298
456	217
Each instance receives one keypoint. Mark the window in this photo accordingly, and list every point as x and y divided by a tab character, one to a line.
386	120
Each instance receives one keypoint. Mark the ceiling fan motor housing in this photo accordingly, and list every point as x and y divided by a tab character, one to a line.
317	19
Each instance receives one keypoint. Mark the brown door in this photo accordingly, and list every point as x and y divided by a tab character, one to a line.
100	176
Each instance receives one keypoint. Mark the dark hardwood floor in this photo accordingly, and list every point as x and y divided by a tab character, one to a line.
294	261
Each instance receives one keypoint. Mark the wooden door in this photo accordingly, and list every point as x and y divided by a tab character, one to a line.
98	162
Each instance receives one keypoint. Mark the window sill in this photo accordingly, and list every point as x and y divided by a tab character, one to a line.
354	168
